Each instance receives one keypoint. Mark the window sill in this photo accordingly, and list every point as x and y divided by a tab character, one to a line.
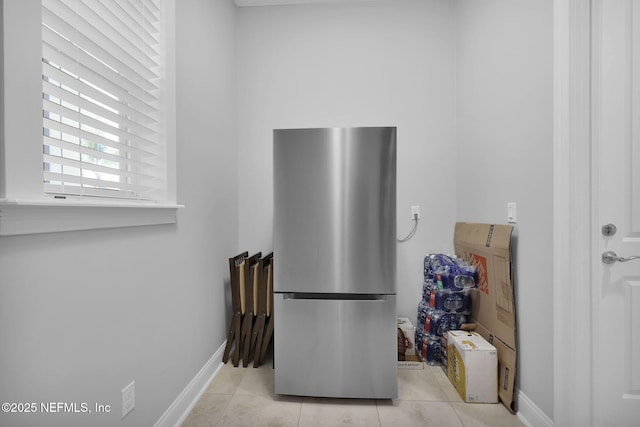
20	217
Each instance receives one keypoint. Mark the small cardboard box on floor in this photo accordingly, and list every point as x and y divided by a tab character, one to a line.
472	367
488	248
408	354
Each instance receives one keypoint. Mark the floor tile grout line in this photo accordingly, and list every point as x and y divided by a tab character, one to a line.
453	408
300	412
224	411
378	413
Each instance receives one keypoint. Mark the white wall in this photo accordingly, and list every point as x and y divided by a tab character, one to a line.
84	313
468	84
505	120
365	64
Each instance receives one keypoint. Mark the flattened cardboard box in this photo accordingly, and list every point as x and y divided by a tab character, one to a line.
488	248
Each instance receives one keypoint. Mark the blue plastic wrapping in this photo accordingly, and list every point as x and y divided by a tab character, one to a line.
449	272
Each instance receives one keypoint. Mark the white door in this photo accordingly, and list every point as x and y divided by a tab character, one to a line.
616	179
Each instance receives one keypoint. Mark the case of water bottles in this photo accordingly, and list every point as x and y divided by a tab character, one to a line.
445	305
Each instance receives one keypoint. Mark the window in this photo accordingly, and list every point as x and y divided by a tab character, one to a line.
88	115
102	99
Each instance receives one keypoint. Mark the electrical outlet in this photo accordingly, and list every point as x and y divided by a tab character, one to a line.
128	398
415	212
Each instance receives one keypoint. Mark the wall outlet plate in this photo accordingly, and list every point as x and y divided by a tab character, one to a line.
128	398
415	212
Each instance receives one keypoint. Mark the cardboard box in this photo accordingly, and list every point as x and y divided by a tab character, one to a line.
506	367
408	356
488	248
473	367
413	361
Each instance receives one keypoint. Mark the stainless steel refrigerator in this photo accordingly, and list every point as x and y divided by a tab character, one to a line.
335	262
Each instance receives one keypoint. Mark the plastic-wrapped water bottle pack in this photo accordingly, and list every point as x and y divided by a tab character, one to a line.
446	302
449	272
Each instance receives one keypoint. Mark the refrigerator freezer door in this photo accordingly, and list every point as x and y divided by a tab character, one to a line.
336	348
335	210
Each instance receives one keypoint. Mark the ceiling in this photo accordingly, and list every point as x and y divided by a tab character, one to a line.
243	3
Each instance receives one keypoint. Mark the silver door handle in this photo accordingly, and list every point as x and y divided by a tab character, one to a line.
610	257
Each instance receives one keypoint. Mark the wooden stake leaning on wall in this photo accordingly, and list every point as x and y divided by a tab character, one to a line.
246	286
235	264
261	309
269	332
238	333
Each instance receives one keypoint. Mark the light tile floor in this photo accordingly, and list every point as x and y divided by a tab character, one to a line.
245	397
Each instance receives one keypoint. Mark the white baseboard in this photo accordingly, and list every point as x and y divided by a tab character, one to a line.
187	399
529	414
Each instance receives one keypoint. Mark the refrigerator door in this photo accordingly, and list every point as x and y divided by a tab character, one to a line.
335	210
336	348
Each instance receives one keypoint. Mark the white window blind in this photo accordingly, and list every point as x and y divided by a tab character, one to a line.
101	98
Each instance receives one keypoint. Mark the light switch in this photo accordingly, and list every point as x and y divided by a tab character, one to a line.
511	212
